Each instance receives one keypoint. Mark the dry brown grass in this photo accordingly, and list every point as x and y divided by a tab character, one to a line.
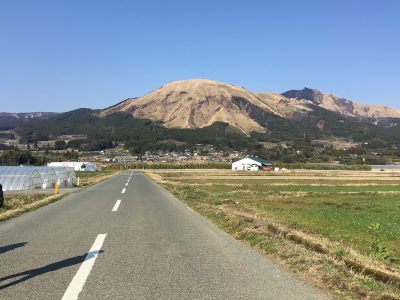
315	243
91	178
17	204
389	175
322	262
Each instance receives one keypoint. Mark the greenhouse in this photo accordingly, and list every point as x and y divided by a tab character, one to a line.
48	175
30	178
65	176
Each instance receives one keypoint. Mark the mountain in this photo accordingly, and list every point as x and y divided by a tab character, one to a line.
11	120
341	105
136	133
198	103
201	111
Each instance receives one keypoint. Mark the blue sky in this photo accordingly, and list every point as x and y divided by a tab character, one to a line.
61	55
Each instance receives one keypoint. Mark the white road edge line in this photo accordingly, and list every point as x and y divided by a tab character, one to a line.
77	283
123	191
116	205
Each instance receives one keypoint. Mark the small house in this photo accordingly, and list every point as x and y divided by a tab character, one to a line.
252	163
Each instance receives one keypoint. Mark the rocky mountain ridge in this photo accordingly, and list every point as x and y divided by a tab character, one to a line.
341	105
198	103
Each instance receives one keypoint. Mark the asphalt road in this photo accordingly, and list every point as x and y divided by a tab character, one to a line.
148	245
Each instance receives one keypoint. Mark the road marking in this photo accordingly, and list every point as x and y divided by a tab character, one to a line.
116	205
123	191
126	184
77	283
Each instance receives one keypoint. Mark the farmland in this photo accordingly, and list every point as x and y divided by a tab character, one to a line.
89	178
351	216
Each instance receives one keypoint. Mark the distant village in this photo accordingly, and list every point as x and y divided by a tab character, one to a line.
202	153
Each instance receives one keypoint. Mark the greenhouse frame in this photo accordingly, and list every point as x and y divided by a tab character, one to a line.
31	178
65	176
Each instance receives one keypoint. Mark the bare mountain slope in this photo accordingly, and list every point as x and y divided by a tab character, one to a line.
199	103
283	106
343	106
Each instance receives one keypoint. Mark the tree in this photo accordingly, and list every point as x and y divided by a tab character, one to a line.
60	145
47	149
17	157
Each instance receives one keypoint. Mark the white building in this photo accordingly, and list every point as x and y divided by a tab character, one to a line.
251	163
77	165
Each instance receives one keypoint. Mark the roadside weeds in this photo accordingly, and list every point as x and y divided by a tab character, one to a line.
91	178
8	214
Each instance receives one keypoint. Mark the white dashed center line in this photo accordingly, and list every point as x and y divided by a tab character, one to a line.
123	191
77	283
126	184
116	205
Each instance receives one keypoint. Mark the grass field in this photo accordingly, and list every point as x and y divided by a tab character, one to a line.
16	204
20	200
341	210
90	178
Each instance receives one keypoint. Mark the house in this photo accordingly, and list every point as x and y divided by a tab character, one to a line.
252	163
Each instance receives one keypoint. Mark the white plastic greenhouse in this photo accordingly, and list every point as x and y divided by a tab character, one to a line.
65	176
30	178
